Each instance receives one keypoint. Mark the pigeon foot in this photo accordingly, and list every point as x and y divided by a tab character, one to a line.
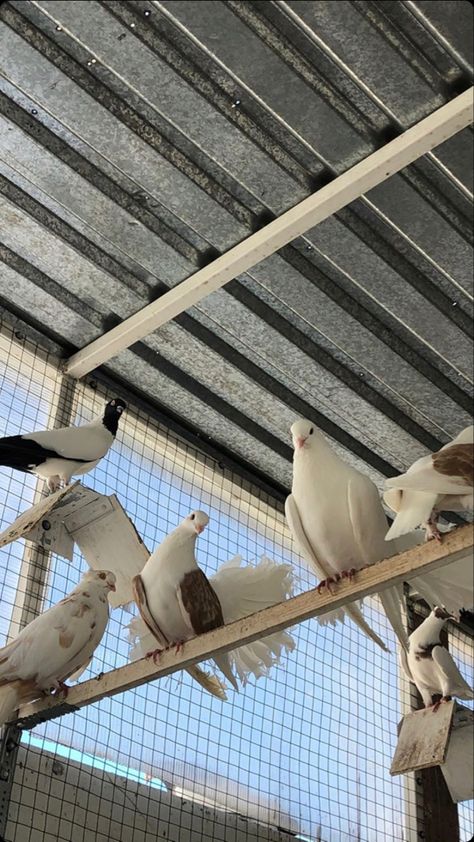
54	484
327	583
155	654
431	530
59	687
440	702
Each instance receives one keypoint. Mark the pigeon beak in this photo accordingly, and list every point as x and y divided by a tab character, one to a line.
453	618
198	528
112	588
299	442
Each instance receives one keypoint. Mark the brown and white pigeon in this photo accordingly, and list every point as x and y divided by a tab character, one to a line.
56	645
338	523
429	665
58	455
176	601
241	591
439	481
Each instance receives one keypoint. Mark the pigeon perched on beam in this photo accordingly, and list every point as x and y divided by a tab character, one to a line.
58	455
241	591
176	601
338	523
57	645
437	482
429	665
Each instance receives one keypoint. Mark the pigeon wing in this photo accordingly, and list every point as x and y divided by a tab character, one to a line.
23	454
445	663
369	525
299	535
145	612
202	612
449	471
301	540
403	661
51	644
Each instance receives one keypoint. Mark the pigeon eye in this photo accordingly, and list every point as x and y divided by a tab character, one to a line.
101	575
311	431
192	517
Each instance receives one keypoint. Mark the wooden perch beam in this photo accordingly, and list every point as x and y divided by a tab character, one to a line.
391	571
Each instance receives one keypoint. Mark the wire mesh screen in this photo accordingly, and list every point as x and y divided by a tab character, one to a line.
302	752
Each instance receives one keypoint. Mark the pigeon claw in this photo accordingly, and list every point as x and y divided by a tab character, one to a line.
155	654
431	530
349	574
179	646
440	702
327	583
60	688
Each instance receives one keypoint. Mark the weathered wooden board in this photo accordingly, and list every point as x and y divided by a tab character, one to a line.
378	576
29	519
423	739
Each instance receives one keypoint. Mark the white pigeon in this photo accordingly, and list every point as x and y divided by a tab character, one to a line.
241	591
56	645
58	455
429	665
338	523
439	481
176	601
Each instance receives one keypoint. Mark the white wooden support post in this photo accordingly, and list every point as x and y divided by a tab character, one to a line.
380	165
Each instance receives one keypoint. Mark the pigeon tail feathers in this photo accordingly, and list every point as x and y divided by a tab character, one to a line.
13	695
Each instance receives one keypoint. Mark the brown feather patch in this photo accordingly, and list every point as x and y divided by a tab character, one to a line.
201	602
456	461
81	609
65	639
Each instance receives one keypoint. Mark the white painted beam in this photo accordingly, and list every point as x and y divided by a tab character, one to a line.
391	571
380	165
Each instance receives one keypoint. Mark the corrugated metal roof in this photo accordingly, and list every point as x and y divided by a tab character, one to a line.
141	140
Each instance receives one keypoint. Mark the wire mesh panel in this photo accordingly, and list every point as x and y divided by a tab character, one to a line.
303	752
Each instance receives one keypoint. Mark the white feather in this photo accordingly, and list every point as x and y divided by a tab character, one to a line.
241	591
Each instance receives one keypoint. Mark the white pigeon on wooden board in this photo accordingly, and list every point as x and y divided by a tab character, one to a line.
241	591
439	481
430	666
338	523
56	645
176	601
58	455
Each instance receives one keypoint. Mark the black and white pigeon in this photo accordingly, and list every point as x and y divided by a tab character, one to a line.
430	666
176	600
57	645
58	455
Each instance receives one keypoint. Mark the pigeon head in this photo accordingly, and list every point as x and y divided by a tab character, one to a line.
105	578
196	522
112	413
303	433
439	611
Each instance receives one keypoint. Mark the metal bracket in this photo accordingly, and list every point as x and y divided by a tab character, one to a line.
9	743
